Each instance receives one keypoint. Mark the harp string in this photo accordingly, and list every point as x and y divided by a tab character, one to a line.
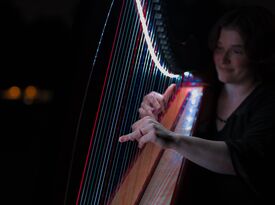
106	120
146	82
159	192
129	76
82	188
142	86
110	110
121	113
81	113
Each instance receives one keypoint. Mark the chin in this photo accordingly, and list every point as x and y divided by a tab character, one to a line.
225	79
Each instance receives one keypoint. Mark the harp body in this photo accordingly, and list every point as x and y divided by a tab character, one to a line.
103	171
153	177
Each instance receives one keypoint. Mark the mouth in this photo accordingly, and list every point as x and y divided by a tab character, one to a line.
225	69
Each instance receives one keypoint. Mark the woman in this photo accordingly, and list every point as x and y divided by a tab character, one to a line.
232	157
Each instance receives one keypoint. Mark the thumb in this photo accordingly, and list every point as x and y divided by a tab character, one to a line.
169	92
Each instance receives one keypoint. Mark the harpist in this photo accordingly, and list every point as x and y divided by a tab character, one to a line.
232	153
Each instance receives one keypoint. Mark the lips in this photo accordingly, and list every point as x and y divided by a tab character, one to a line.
228	69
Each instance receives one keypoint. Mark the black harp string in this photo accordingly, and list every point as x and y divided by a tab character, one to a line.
113	80
108	103
119	89
76	136
103	125
132	75
145	86
119	76
129	96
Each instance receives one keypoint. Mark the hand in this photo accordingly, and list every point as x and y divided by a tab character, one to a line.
147	130
155	103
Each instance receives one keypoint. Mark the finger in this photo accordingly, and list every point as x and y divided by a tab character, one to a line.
162	104
146	107
130	137
143	113
149	137
148	133
144	122
152	101
156	101
160	101
137	124
169	92
152	111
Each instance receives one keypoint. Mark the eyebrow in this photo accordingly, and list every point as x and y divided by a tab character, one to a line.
238	46
234	45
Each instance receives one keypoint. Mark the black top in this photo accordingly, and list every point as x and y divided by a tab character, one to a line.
249	134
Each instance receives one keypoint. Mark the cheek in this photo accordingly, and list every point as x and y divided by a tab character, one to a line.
215	58
240	62
242	67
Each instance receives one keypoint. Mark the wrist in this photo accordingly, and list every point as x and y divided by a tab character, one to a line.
179	141
174	140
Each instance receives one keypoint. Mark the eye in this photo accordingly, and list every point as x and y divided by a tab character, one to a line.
237	51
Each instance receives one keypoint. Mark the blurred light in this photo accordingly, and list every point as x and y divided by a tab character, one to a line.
46	96
31	92
13	93
188	74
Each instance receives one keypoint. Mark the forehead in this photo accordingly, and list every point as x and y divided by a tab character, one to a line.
230	37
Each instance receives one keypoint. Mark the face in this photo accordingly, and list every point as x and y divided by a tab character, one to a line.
230	58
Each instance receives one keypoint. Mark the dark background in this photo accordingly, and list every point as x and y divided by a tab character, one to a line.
41	44
36	43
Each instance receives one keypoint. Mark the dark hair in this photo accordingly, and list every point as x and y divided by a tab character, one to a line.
256	26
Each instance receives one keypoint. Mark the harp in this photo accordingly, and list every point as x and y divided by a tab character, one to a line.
130	60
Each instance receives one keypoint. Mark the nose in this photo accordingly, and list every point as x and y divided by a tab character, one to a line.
226	58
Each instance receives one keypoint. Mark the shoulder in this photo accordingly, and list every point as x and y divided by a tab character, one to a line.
256	112
259	109
264	95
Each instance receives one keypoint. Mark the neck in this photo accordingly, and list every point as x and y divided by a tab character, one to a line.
239	90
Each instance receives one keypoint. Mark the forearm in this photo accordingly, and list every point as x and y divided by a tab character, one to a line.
212	155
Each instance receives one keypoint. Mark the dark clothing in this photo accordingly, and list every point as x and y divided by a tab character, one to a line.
249	134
